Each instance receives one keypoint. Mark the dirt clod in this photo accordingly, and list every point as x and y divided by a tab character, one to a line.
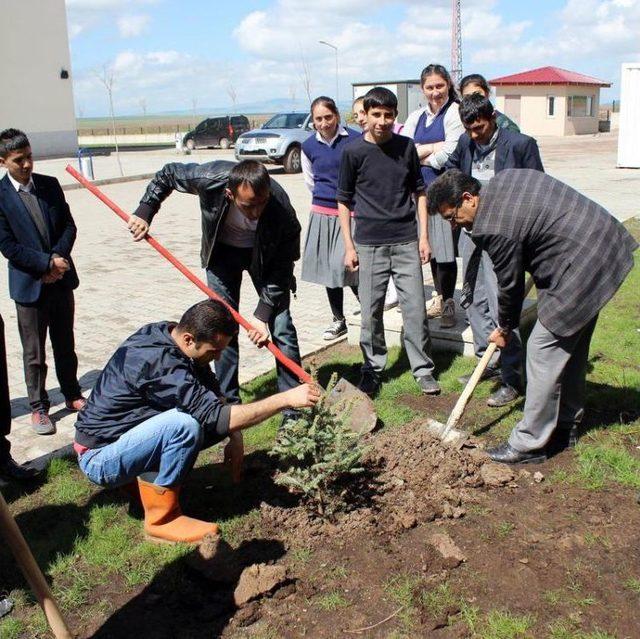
538	477
452	555
248	615
495	475
258	580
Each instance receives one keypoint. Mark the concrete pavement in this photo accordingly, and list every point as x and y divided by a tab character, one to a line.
125	285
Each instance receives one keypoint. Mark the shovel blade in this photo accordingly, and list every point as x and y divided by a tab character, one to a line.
355	407
452	436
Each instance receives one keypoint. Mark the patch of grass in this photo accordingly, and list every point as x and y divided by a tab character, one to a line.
496	624
633	584
437	601
594	539
301	555
562	629
602	463
504	529
552	597
332	601
401	589
339	572
63	485
11	628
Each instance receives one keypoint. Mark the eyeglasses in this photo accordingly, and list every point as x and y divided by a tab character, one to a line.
450	216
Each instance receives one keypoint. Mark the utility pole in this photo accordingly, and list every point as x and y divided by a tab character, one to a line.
456	42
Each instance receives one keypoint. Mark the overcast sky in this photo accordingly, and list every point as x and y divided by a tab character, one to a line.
170	53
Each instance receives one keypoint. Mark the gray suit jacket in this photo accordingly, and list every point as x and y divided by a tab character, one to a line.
577	253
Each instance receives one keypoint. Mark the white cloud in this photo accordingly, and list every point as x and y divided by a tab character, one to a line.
131	26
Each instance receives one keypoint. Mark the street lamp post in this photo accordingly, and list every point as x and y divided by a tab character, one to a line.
333	46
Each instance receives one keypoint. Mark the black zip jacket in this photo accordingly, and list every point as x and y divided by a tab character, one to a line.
146	376
277	244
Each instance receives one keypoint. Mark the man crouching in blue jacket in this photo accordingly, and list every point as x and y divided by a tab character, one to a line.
157	404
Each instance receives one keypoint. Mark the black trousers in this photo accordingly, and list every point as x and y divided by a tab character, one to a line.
54	311
5	402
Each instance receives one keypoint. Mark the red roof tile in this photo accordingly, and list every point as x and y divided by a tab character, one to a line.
548	75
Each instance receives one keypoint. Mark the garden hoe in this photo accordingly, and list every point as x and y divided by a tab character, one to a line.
358	409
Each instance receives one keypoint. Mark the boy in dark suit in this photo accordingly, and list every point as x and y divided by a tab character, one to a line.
37	234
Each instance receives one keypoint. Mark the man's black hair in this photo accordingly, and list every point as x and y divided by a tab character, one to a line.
251	173
449	188
475	107
207	319
477	79
12	140
380	97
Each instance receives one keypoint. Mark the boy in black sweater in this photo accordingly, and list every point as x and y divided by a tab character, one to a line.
380	172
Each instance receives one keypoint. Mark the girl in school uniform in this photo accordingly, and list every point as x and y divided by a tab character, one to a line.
323	259
435	128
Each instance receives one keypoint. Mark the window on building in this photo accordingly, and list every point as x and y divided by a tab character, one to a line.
551	105
580	106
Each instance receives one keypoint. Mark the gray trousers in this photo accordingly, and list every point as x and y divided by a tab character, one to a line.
483	316
402	263
556	372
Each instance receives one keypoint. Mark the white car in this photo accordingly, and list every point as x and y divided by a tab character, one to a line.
278	141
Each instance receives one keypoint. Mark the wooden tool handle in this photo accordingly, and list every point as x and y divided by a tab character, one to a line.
288	363
32	572
458	409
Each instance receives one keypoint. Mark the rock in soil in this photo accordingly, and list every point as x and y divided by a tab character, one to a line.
452	555
258	580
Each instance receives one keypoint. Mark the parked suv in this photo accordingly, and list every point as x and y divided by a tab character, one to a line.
222	132
278	141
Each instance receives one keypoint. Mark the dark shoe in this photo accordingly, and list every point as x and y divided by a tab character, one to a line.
369	384
503	396
505	454
10	469
76	404
428	385
41	423
490	372
337	329
563	438
448	315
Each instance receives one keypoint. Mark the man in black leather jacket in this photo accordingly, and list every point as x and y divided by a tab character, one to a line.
248	223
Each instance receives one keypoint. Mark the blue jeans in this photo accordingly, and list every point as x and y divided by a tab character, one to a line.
224	276
167	443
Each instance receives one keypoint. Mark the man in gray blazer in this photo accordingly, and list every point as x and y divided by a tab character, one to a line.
578	255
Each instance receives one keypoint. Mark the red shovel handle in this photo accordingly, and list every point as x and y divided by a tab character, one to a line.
278	354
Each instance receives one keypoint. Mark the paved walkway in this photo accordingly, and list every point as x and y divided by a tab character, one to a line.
125	285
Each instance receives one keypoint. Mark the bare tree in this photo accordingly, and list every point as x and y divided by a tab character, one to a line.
194	107
106	77
143	106
231	92
292	95
305	75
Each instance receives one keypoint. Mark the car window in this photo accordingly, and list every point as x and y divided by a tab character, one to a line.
239	121
276	122
296	120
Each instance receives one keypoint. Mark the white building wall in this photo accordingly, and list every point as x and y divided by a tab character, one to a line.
34	48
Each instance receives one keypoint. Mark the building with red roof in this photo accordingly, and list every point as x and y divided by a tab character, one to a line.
550	101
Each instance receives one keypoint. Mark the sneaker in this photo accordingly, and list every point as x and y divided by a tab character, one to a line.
428	385
503	396
75	404
448	315
434	307
338	328
369	384
490	372
41	423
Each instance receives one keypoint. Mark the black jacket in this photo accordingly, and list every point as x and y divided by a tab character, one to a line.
277	237
513	151
146	376
22	245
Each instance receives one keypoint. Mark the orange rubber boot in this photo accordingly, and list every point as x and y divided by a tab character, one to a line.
163	519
